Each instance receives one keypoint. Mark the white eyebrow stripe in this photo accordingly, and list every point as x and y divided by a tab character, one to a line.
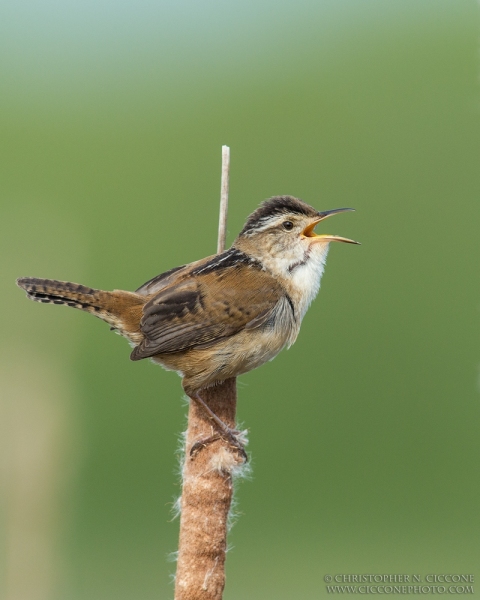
266	222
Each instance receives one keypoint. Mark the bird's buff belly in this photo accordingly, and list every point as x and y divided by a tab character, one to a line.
204	367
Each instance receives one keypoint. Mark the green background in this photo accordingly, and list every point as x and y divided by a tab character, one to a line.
364	437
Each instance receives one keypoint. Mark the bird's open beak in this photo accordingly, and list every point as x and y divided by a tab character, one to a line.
308	231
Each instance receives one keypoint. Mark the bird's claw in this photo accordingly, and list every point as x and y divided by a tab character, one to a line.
234	438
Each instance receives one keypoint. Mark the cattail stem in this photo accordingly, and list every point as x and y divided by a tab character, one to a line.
207	477
206	499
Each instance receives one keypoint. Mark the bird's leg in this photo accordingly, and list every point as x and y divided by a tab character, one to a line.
232	436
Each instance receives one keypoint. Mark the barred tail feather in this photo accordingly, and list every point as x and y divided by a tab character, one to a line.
51	291
122	310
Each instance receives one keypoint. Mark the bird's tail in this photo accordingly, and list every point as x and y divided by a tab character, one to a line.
122	310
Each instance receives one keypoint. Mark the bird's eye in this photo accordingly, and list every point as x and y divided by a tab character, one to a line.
288	225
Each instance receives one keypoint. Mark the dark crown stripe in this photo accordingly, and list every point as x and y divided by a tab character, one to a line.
278	205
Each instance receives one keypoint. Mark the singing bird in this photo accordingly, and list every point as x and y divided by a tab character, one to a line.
223	315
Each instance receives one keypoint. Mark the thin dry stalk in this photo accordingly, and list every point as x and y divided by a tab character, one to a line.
207	477
222	223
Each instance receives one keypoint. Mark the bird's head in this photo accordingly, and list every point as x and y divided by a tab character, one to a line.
281	233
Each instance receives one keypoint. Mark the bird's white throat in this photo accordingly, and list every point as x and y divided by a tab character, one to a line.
300	271
305	278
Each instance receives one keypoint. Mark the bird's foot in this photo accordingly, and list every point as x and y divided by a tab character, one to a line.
234	438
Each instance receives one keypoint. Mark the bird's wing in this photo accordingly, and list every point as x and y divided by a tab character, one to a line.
214	301
164	280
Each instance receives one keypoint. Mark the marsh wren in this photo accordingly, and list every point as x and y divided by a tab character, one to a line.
223	315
